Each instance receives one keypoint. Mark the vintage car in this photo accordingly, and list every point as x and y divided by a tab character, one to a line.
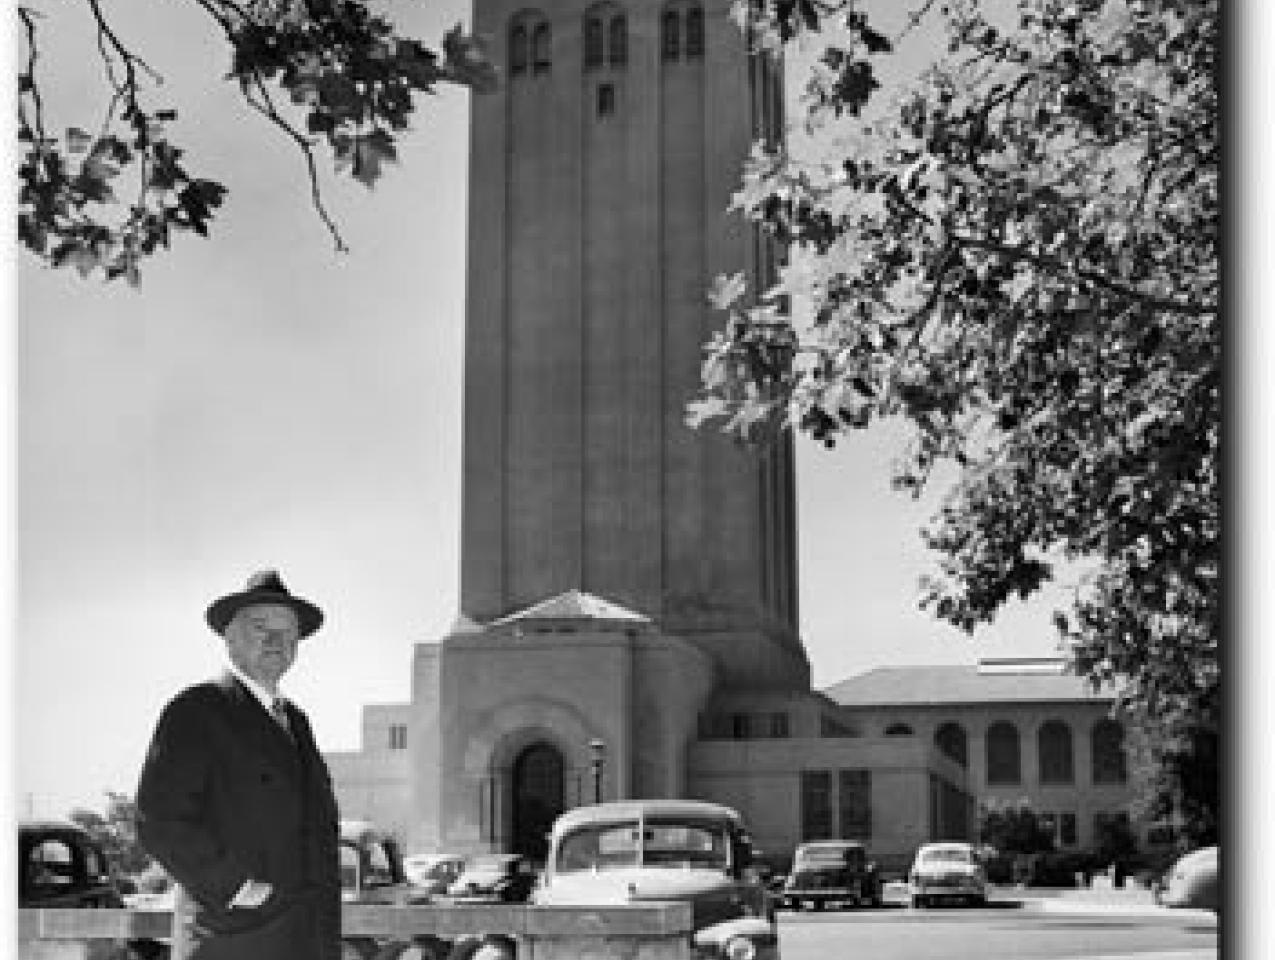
660	850
494	878
950	871
1192	881
372	872
60	865
829	872
433	872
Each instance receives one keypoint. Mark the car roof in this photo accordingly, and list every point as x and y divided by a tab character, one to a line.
51	825
362	831
634	809
946	845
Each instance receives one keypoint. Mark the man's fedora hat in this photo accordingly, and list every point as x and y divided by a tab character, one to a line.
263	587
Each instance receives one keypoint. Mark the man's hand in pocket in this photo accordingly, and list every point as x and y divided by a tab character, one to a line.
252	894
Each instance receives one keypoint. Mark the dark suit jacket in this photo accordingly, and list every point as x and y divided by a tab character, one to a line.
225	795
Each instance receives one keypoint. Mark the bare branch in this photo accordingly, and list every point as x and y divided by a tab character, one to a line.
25	14
265	106
130	60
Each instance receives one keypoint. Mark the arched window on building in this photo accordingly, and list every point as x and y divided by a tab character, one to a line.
950	738
541	48
694	32
1106	748
1053	750
592	41
670	35
517	49
899	730
618	41
1004	763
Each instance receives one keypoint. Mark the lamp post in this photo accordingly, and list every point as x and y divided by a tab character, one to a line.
597	759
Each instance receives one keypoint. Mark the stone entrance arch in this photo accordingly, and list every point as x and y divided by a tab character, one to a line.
538	791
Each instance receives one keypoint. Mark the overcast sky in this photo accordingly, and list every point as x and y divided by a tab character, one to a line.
263	401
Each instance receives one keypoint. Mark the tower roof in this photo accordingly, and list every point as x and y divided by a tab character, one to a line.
574	605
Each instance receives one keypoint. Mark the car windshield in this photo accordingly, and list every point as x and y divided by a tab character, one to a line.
948	855
488	866
663	843
829	856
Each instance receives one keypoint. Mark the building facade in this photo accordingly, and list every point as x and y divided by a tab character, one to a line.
628	610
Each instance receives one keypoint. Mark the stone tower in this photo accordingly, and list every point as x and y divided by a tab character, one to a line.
623	577
600	177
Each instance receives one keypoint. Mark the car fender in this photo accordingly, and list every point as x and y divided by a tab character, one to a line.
754	928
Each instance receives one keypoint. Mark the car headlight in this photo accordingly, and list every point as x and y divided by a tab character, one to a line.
740	948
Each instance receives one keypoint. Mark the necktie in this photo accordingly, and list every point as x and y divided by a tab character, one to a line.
279	711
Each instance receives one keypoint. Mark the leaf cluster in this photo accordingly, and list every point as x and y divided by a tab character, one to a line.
349	80
1018	255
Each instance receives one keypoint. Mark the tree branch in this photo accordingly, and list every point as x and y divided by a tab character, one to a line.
1097	279
265	106
25	14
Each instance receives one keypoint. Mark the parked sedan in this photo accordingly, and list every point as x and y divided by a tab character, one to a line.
831	871
651	851
1192	881
433	872
60	865
494	878
948	871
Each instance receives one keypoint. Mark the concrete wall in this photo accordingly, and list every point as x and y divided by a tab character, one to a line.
374	782
510	687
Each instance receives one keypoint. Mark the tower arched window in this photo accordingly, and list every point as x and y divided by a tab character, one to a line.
1053	747
694	32
517	49
618	41
1004	762
1106	743
951	740
541	48
670	35
592	41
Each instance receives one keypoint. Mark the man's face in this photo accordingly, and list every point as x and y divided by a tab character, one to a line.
262	642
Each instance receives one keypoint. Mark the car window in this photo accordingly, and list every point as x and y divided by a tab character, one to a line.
830	857
93	865
602	846
682	843
51	863
349	867
379	871
947	855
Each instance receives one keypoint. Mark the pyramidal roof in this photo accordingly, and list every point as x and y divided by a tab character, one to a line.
574	605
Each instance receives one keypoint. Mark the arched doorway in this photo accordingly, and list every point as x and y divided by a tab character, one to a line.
538	797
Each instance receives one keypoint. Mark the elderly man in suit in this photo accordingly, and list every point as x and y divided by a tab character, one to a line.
235	800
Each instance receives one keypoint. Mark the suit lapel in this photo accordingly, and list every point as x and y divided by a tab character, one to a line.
260	733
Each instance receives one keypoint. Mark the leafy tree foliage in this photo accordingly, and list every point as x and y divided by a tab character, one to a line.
329	74
1014	829
1018	255
116	833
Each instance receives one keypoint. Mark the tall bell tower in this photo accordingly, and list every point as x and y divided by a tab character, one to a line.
600	177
